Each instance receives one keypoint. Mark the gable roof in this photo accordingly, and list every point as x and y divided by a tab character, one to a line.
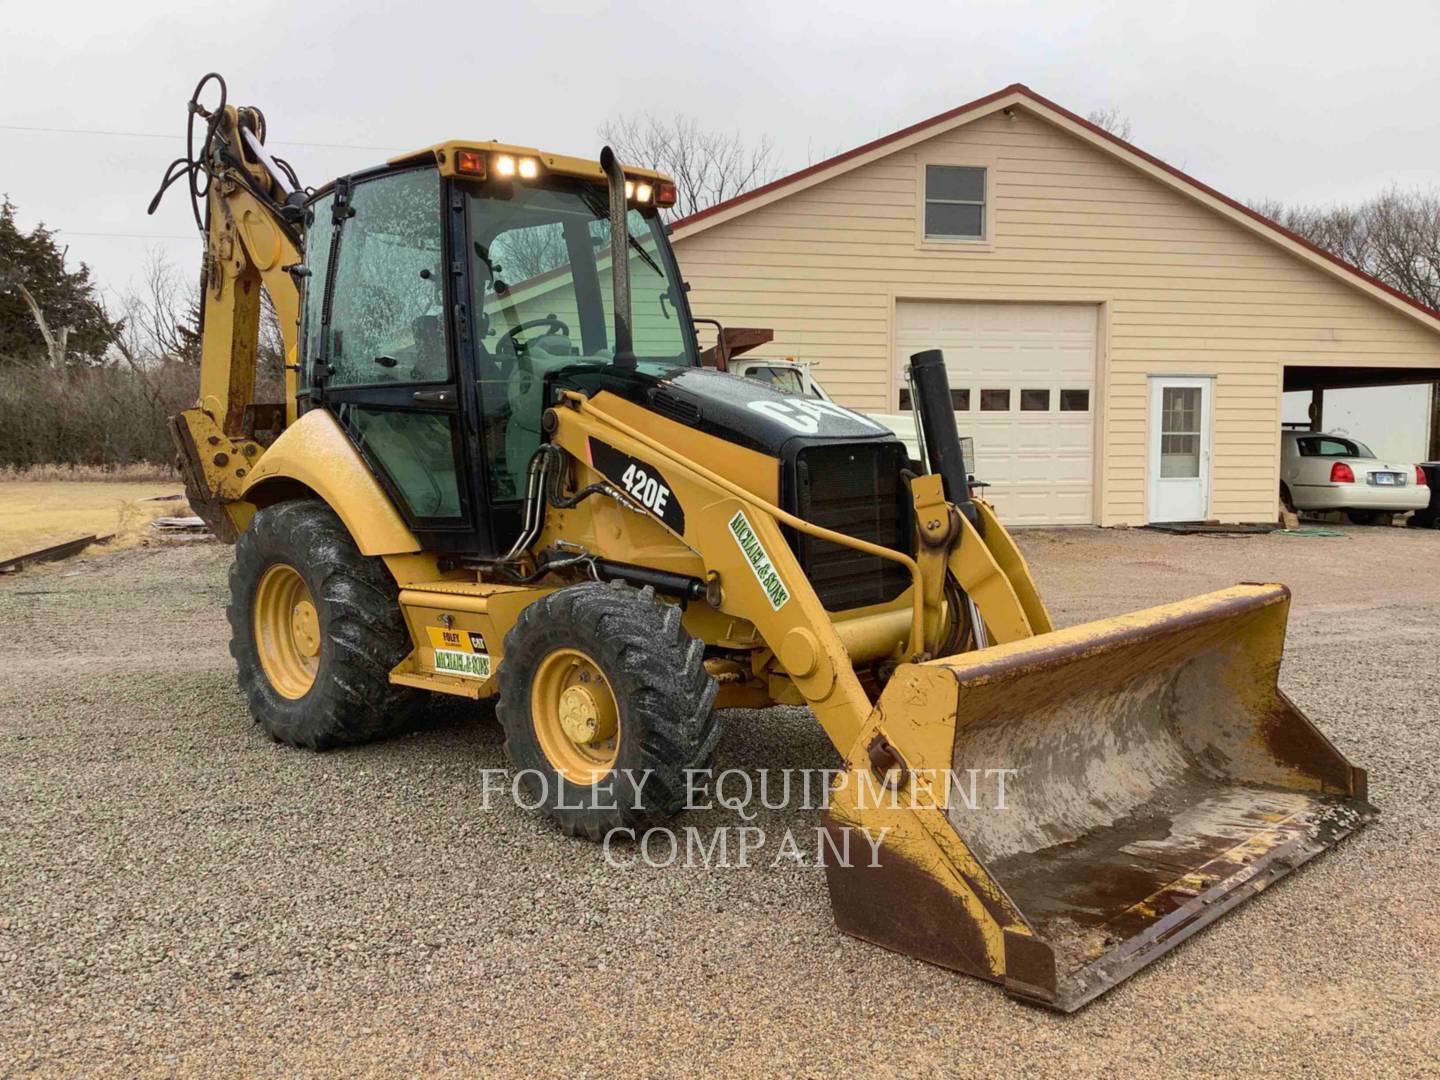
1022	95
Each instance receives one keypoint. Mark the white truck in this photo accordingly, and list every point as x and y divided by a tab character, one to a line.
797	377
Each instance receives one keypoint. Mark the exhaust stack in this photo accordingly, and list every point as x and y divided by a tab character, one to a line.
619	260
937	425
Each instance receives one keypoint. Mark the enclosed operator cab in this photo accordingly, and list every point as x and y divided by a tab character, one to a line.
444	291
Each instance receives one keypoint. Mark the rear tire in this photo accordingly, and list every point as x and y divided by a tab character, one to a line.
1367	517
623	655
321	677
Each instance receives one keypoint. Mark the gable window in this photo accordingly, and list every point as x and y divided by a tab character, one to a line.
955	202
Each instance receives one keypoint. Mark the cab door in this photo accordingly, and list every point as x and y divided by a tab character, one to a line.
383	361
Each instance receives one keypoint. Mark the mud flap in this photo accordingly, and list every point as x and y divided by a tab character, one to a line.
1156	778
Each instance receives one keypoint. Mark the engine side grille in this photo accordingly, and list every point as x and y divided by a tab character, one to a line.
855	489
675	407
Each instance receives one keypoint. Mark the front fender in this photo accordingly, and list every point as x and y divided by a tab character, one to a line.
315	452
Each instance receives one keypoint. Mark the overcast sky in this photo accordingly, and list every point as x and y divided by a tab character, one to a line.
1315	101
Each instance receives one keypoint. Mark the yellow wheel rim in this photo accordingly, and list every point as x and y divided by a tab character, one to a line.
287	631
576	719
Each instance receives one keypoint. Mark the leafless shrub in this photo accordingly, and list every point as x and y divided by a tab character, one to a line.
137	473
115	413
708	166
105	415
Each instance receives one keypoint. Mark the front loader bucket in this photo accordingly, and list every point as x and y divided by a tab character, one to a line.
1155	778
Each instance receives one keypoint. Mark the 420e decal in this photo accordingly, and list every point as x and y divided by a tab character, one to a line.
644	483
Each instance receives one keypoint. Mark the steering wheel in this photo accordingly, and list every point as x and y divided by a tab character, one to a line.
511	343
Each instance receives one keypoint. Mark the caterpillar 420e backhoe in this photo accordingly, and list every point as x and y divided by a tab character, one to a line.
499	468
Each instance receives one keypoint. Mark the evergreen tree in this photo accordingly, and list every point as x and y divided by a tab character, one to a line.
66	297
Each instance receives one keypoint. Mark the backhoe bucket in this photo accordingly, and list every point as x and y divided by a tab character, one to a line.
1154	778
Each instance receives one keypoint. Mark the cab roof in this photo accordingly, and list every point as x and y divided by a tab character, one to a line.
443	154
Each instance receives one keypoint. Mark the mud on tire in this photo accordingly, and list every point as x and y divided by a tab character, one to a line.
362	631
665	698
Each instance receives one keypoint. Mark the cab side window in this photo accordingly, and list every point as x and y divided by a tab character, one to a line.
319	234
387	309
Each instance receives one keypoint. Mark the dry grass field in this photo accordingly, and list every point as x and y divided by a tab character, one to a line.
41	507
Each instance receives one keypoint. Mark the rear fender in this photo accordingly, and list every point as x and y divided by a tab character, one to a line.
315	452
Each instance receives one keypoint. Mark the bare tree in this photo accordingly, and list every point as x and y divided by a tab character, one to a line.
162	315
1394	236
160	336
1112	120
521	254
814	155
162	319
709	166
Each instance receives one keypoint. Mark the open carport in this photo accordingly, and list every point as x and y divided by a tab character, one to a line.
1316	379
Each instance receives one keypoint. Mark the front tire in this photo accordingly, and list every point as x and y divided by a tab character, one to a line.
316	628
607	707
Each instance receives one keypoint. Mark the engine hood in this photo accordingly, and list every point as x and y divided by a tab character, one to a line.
753	415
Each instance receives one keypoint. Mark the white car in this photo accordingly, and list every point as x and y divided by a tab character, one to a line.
1335	472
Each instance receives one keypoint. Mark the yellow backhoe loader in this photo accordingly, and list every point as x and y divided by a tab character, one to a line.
500	468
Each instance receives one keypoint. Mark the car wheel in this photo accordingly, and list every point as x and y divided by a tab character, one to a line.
1367	517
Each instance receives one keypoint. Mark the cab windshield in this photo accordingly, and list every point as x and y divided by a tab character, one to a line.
541	294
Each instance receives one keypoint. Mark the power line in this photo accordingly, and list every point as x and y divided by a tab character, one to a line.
176	138
127	235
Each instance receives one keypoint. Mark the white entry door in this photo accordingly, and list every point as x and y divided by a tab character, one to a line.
1179	448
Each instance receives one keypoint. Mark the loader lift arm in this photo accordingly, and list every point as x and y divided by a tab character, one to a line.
1099	866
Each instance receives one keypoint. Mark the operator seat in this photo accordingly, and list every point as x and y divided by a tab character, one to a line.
525	391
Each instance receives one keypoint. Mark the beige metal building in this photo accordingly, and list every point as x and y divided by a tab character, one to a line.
1118	334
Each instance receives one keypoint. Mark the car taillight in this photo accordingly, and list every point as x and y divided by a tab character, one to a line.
1340	473
1420	476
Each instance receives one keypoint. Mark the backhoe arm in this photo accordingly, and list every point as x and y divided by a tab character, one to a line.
252	209
247	248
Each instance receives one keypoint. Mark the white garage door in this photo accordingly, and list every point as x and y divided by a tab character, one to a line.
1023	380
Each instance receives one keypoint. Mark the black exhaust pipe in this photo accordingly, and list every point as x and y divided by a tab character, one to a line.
931	400
619	260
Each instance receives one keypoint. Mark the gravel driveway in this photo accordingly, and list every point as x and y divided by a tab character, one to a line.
180	894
